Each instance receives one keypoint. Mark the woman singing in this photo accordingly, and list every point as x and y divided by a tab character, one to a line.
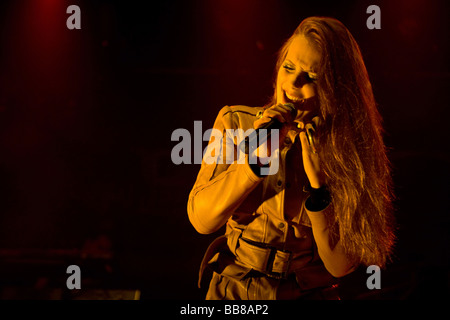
327	208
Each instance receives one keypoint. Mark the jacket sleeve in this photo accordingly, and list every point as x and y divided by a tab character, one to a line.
221	186
334	258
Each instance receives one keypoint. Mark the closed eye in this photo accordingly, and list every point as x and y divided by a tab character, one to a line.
312	77
288	68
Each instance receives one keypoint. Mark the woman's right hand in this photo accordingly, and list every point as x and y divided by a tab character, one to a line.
284	115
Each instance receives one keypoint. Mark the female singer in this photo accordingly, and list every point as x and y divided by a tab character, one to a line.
327	209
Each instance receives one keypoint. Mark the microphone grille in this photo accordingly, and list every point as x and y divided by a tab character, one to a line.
293	109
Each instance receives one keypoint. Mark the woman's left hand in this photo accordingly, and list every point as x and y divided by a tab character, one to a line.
310	149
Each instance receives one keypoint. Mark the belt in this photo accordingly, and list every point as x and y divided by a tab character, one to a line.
270	261
262	257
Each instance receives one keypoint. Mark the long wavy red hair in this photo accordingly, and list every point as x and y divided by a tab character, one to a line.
353	154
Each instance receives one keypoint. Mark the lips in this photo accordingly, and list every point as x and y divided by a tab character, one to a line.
301	104
296	101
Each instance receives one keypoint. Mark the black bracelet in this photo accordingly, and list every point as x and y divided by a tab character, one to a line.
318	199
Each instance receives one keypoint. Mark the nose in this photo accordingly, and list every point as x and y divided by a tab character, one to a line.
300	80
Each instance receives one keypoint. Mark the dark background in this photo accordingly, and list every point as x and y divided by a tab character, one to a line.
86	118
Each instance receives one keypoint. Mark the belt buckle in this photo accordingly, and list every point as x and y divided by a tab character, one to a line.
270	263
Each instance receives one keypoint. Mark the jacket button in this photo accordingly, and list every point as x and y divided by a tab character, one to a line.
279	183
281	225
287	141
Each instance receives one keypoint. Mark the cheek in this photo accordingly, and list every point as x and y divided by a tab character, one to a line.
309	90
279	83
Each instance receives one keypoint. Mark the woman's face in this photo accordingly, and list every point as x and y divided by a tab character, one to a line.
296	79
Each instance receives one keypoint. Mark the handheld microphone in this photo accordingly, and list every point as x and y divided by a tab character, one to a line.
254	140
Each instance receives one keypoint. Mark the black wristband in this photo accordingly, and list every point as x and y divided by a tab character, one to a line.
318	199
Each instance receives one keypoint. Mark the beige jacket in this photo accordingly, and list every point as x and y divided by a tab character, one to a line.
268	228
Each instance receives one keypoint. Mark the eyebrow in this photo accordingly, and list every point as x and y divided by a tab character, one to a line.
307	71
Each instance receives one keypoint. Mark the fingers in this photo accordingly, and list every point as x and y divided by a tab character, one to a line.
310	132
280	112
300	125
307	135
284	115
308	143
304	141
317	121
